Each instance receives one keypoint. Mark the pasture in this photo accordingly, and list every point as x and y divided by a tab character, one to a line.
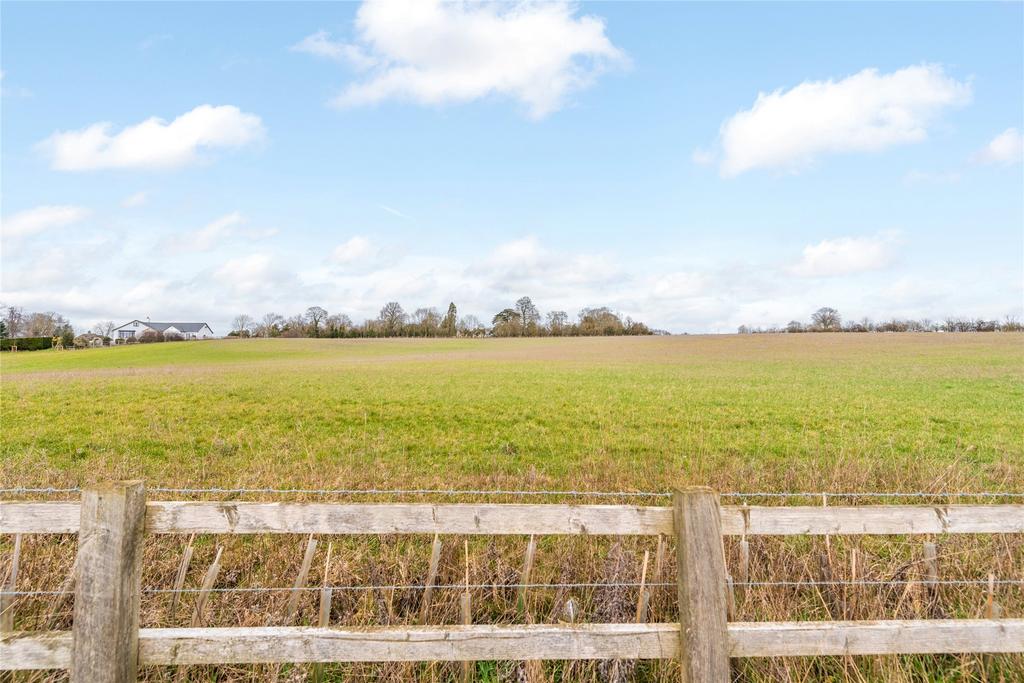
786	412
814	412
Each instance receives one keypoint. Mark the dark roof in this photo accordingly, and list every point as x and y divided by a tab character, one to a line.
161	327
181	327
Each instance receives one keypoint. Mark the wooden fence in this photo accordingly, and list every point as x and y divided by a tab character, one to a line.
106	643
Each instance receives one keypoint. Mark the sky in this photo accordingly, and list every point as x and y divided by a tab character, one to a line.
693	166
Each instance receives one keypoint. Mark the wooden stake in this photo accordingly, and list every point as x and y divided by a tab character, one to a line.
466	609
524	577
931	566
644	597
7	601
324	617
292	607
204	590
744	568
730	596
659	559
105	631
704	651
993	610
179	579
435	561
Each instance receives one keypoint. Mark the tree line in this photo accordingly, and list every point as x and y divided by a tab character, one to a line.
829	320
523	319
17	322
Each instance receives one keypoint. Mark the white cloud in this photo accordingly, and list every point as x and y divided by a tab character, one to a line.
133	200
865	112
846	256
154	143
526	265
320	44
434	52
32	221
356	249
251	275
679	285
1006	148
214	234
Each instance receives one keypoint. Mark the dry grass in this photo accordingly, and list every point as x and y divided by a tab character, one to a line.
822	412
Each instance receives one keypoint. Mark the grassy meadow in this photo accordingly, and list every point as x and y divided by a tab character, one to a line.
849	412
796	412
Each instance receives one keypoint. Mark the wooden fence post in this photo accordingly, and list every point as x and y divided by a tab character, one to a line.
105	633
704	651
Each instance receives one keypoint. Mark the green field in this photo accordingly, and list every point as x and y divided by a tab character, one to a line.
815	412
806	412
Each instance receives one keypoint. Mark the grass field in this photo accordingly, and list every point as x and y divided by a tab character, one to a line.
803	412
935	412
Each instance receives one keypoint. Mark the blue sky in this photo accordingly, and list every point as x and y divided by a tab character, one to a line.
695	166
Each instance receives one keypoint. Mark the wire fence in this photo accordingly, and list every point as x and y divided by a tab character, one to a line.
561	586
823	496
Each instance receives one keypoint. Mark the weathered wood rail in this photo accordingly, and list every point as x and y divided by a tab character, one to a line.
106	643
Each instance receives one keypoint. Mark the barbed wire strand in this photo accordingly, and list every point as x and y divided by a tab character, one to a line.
596	585
516	492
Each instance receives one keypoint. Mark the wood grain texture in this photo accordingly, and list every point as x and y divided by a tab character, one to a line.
7	602
27	650
422	643
161	646
107	585
165	517
703	601
872	519
39	517
923	636
489	519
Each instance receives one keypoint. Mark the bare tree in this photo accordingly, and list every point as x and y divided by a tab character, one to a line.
14	316
104	328
337	325
392	318
425	322
826	320
270	326
470	326
528	314
46	324
242	325
557	322
314	314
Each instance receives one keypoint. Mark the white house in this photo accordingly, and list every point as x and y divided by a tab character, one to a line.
135	328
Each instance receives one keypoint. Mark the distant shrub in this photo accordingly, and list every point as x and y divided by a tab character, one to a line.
173	336
27	343
149	337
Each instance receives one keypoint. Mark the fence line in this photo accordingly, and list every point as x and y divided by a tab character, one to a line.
206	517
263	645
565	493
106	642
807	583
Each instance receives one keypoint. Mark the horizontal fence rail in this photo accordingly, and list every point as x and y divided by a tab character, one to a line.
106	643
521	519
264	645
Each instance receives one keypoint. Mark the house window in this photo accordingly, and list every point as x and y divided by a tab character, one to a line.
125	334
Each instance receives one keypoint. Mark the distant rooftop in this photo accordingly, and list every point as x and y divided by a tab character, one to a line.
181	327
